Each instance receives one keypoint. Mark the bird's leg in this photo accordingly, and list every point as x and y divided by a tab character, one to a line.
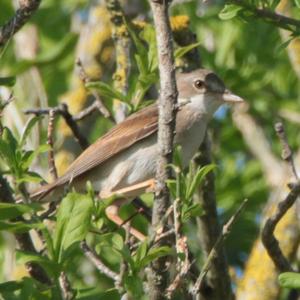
132	190
112	212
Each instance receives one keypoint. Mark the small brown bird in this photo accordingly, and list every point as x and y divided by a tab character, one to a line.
123	161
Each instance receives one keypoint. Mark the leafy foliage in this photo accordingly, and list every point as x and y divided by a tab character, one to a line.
244	48
73	220
289	280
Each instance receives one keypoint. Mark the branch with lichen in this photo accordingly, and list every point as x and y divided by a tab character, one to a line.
269	240
259	269
122	42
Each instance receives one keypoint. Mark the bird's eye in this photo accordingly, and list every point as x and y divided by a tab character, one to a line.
199	84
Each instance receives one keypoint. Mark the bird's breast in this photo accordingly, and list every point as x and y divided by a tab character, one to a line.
190	133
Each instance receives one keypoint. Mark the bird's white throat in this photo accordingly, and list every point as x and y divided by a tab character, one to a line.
205	104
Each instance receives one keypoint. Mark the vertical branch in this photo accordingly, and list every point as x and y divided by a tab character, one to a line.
122	47
51	160
167	115
218	280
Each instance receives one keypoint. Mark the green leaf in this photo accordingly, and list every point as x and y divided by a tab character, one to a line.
172	186
10	286
297	2
181	51
284	45
142	53
229	11
19	227
155	253
30	177
198	178
126	255
8	148
194	210
27	130
113	240
141	252
8	81
11	210
289	280
148	35
51	267
134	285
141	64
29	156
177	157
106	90
73	221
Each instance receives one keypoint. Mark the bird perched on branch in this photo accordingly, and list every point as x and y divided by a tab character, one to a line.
123	161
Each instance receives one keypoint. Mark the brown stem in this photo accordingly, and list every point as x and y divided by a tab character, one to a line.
218	285
71	122
93	257
158	281
22	15
270	242
215	250
51	160
287	153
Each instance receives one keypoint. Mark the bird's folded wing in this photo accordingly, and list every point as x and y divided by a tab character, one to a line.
135	128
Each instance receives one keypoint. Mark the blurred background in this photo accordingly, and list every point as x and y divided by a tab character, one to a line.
248	52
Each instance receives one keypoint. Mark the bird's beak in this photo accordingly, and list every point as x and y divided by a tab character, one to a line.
229	97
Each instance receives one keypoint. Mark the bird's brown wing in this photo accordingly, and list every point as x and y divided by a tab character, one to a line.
135	128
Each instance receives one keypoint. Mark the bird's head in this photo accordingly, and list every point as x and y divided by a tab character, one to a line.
205	91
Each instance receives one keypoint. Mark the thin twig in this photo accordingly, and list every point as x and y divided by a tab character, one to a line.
158	232
51	160
270	242
63	110
214	251
97	105
94	258
3	104
287	153
173	287
277	19
268	239
22	15
66	290
79	137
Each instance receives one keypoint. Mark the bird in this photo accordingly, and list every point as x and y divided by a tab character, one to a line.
123	161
